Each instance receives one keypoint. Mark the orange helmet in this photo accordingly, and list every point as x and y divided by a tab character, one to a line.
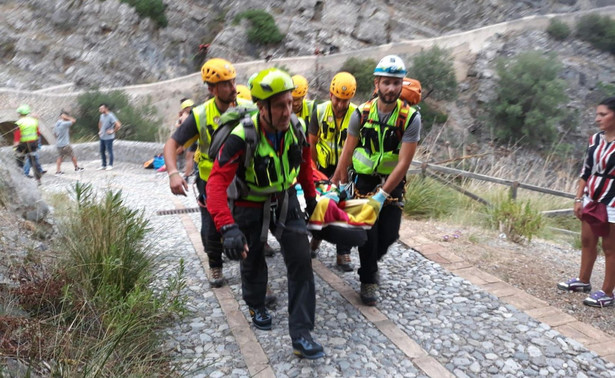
301	86
411	91
343	86
216	70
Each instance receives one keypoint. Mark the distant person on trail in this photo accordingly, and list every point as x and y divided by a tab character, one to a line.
219	76
27	164
327	133
382	137
61	131
28	140
593	205
263	196
108	125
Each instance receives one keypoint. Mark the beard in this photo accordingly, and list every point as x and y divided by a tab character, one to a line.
388	98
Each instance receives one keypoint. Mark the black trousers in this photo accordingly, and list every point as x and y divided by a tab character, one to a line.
210	237
383	233
296	252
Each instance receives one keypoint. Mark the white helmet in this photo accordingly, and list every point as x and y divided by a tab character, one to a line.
392	66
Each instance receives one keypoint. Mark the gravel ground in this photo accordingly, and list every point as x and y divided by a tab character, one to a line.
467	330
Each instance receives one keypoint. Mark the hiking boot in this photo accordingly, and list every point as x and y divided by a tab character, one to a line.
343	263
574	284
260	318
599	299
314	244
216	277
270	297
268	251
305	347
369	295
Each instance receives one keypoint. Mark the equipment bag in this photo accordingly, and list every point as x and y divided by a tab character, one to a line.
243	114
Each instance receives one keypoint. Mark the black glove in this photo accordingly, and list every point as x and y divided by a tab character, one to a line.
310	205
233	241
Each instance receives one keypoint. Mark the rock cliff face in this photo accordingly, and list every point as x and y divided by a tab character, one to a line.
104	43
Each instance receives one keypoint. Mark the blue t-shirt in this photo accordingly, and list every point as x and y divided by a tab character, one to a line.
107	122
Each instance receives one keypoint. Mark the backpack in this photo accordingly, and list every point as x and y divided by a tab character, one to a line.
243	114
231	118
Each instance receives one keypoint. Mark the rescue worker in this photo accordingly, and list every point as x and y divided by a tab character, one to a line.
219	76
327	133
263	197
301	107
28	139
382	139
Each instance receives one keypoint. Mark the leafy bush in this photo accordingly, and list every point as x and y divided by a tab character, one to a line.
154	9
427	198
430	116
363	71
597	30
264	31
137	123
518	221
434	69
96	313
529	99
558	29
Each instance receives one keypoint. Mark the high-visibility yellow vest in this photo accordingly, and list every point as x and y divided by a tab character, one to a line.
28	127
208	111
379	144
331	137
269	172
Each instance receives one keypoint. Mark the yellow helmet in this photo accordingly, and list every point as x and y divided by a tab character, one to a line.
343	86
186	104
216	70
243	92
301	86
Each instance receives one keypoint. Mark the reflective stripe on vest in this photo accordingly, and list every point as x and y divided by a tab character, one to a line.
270	173
208	112
28	127
330	138
379	145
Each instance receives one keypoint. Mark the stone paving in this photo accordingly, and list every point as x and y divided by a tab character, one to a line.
429	321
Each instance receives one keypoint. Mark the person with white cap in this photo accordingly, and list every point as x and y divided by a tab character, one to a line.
382	137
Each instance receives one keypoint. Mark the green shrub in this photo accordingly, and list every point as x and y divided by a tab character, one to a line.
558	29
517	220
430	116
597	30
154	9
530	99
107	244
263	29
363	71
434	69
427	198
137	123
109	269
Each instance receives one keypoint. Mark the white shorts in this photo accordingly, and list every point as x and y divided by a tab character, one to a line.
610	210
